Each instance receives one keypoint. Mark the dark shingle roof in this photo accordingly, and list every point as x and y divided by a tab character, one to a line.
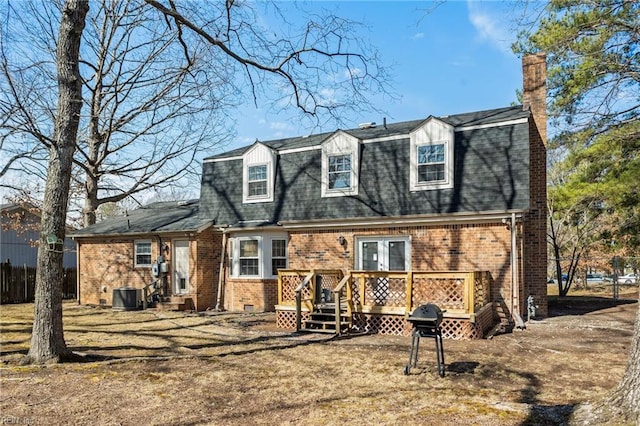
491	173
161	217
476	118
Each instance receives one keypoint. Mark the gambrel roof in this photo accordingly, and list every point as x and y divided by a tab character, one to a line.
491	174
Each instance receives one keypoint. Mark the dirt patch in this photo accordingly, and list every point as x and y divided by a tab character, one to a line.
157	368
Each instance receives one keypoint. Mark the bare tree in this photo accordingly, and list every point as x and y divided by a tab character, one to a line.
321	67
47	339
152	113
170	99
160	88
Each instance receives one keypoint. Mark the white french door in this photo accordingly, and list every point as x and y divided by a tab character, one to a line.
384	253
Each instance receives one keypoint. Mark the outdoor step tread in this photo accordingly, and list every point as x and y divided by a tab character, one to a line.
320	330
328	318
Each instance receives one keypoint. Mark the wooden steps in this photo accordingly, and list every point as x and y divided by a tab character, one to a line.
323	320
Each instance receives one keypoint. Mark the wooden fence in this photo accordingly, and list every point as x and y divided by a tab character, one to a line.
18	283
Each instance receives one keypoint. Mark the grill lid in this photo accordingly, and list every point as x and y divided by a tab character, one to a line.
426	314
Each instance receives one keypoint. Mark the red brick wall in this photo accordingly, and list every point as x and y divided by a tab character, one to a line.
468	247
250	294
204	264
108	264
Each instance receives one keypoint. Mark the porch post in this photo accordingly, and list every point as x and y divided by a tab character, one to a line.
298	310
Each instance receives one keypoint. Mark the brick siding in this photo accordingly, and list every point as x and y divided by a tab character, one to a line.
464	247
108	264
254	295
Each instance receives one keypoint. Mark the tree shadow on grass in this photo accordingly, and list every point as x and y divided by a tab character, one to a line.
538	414
580	305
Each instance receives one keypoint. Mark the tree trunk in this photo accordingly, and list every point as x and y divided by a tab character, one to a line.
47	338
627	395
91	200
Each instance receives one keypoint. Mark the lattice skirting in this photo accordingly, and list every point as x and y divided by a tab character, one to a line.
287	319
452	328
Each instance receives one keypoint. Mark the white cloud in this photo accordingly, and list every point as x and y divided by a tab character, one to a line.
417	36
490	28
278	125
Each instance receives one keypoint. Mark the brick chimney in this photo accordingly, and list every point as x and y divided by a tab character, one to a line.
534	76
534	275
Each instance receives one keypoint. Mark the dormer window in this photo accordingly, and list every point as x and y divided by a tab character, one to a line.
258	181
258	174
431	156
431	163
339	172
340	163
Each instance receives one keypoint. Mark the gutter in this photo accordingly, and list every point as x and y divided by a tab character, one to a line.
142	233
435	219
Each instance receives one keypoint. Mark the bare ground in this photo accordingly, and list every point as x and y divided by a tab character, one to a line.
164	368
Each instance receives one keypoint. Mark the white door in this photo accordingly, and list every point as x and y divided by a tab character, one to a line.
180	266
383	254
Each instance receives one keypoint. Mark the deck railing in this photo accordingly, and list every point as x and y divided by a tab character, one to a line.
459	293
306	288
149	291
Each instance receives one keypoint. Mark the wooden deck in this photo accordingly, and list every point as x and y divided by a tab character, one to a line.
380	301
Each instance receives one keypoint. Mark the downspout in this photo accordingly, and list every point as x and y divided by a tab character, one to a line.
221	281
515	285
78	272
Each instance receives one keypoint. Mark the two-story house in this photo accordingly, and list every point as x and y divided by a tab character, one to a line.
448	209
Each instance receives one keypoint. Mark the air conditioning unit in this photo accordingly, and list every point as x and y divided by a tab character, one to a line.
126	299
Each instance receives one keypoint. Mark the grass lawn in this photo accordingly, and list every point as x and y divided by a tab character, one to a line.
165	368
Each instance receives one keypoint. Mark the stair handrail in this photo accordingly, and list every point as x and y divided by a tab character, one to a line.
146	295
349	299
298	290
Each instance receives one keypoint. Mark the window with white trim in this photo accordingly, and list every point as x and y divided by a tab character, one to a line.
340	164
431	163
257	256
278	255
339	171
142	253
258	174
249	258
258	180
432	156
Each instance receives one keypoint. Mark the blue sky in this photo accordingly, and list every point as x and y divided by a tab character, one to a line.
447	58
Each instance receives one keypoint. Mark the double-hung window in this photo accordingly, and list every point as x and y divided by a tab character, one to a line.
257	255
257	180
431	162
339	171
278	255
249	257
142	253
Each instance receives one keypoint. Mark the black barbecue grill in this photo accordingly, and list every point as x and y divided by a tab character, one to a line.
426	321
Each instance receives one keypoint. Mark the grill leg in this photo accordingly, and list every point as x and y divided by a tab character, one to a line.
413	352
439	352
416	336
